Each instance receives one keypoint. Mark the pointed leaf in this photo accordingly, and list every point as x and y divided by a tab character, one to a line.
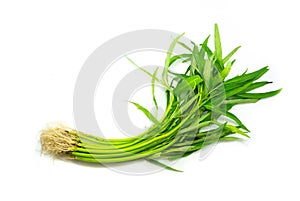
247	76
231	54
240	101
155	162
236	119
207	74
168	57
187	83
167	92
236	130
147	113
185	46
256	85
206	48
226	70
153	89
230	139
179	56
218	46
237	90
200	56
226	113
259	95
142	69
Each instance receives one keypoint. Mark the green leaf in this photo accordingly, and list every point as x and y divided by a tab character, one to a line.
142	69
187	83
240	79
207	74
226	70
240	101
230	139
199	56
185	46
237	90
195	126
167	92
205	42
256	85
184	107
236	130
153	89
237	120
175	157
147	113
171	48
198	60
206	48
214	108
259	95
174	58
231	54
168	57
179	56
218	46
155	162
226	113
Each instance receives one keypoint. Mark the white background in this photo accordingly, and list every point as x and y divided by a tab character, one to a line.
43	46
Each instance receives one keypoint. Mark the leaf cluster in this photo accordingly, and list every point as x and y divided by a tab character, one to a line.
198	108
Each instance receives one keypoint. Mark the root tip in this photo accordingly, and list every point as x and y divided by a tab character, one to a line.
58	141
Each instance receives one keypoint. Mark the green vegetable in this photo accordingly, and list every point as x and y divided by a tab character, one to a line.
196	101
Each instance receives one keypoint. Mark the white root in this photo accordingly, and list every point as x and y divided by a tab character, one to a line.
57	140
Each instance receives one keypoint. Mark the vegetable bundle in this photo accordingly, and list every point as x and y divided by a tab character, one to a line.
197	113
